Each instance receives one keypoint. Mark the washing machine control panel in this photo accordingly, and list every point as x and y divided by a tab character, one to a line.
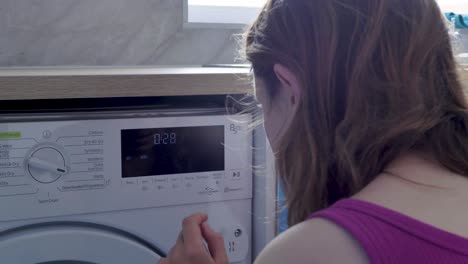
55	168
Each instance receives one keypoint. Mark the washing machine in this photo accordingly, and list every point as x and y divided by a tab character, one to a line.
113	187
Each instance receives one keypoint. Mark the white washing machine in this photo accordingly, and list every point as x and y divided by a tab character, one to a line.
114	187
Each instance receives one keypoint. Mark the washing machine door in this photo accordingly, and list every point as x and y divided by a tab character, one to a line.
74	244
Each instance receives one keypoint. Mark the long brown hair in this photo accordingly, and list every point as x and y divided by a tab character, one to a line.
380	79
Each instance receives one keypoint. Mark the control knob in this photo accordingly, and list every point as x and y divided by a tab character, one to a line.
46	163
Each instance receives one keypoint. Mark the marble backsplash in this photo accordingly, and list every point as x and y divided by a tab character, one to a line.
111	32
107	32
464	45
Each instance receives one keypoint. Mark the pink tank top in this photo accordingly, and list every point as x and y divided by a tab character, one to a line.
390	237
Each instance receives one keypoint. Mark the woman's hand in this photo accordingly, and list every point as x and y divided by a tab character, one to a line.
190	249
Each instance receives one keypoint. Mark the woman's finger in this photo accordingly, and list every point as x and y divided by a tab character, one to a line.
180	238
215	244
193	238
191	230
163	261
177	254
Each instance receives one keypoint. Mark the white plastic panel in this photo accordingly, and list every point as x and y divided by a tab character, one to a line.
93	181
161	226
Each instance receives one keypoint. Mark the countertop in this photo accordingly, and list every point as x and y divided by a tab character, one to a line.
110	82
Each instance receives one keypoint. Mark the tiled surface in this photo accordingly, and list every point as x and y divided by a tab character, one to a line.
111	32
106	32
464	40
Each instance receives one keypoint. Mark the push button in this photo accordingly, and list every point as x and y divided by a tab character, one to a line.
236	242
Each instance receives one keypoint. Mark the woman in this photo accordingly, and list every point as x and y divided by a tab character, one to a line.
369	123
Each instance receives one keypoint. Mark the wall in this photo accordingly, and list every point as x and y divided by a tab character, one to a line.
106	32
111	32
464	40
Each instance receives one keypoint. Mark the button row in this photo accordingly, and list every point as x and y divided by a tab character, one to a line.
205	184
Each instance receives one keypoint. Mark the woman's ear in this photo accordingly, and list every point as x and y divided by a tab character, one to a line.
289	82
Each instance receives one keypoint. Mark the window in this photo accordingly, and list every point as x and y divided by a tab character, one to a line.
241	12
222	12
458	6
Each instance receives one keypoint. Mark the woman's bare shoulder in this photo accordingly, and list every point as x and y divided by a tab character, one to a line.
313	241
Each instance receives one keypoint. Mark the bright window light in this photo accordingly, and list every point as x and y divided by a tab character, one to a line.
241	12
456	6
241	3
223	11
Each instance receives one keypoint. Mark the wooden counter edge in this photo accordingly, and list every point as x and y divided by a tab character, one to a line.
114	82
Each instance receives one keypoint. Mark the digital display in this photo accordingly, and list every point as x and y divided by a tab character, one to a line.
162	151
